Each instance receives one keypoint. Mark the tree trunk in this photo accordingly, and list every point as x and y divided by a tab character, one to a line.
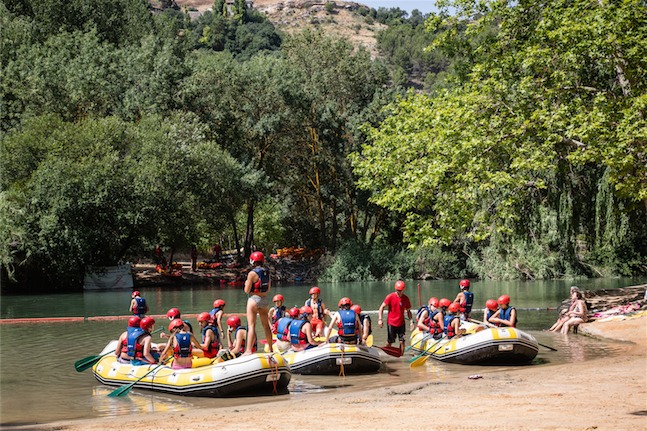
249	230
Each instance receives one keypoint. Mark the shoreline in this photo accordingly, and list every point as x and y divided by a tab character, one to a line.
604	393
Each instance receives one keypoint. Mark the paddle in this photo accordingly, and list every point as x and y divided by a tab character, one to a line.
422	340
369	340
422	358
489	325
89	361
123	390
389	350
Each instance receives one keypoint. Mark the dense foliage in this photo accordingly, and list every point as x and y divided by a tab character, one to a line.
522	154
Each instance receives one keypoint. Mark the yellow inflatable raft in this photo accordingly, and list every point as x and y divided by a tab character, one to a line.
253	374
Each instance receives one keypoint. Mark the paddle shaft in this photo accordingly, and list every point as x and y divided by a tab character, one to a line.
123	390
424	356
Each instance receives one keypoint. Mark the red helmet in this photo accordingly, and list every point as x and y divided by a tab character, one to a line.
146	323
433	301
504	299
204	317
399	285
465	284
233	321
257	256
445	302
314	290
173	313
277	298
218	303
134	322
305	310
356	308
135	293
175	323
491	304
344	301
294	312
454	307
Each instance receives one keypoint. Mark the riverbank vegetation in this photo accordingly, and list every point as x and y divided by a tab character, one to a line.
508	141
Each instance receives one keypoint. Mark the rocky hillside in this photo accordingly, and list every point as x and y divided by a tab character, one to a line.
333	17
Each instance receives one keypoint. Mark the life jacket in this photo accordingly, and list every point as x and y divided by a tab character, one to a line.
212	349
214	311
466	305
505	315
183	348
320	312
279	313
282	328
263	283
133	347
363	318
449	329
434	326
243	345
141	307
296	335
489	314
419	312
347	324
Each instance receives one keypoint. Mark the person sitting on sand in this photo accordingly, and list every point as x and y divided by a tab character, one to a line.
557	326
577	315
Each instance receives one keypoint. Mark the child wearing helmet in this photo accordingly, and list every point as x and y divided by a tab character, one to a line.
237	337
505	315
210	335
465	299
216	315
257	286
300	330
491	307
365	320
121	351
276	312
319	311
283	330
452	321
349	326
140	344
398	304
181	345
430	318
138	304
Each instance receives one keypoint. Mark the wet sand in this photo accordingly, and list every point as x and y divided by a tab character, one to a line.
609	393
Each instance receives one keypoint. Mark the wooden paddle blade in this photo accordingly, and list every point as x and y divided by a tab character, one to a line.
85	363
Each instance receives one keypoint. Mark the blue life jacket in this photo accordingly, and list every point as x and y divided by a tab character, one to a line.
263	283
282	331
214	311
489	314
183	350
420	310
215	344
449	329
505	314
133	335
296	336
469	300
347	326
141	306
280	312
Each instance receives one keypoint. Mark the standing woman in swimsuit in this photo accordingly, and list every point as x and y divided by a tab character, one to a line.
257	286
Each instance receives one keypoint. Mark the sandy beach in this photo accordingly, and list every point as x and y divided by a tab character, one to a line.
609	393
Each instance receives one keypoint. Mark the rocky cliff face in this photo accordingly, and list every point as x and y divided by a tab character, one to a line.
337	18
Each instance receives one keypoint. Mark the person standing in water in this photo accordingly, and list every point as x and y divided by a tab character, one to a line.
398	303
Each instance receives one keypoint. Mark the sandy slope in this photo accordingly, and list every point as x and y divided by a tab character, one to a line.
609	393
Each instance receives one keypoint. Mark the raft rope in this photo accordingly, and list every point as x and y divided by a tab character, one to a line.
342	372
274	372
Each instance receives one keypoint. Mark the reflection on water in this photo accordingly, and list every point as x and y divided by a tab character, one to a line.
37	387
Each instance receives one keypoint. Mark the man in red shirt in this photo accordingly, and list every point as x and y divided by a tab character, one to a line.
398	304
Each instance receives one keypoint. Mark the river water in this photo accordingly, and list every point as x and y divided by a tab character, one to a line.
38	382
